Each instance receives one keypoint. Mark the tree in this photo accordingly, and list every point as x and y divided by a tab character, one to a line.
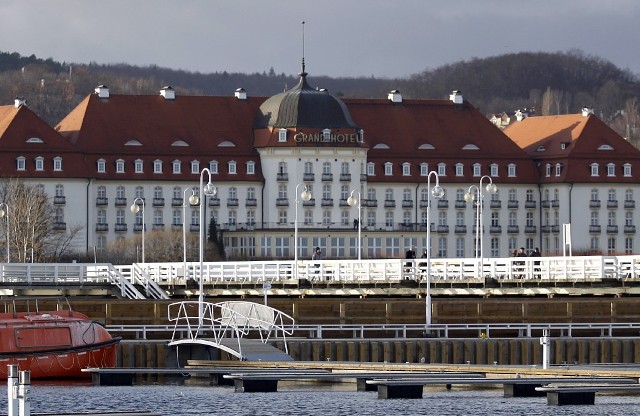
215	238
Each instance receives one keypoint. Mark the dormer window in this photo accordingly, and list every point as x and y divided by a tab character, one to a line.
564	145
388	169
424	169
511	170
138	166
326	135
626	168
558	169
34	140
371	169
176	167
101	166
611	169
548	169
157	166
594	169
251	168
232	168
57	164
213	167
119	166
133	142
195	167
459	169
442	169
406	169
476	170
21	163
493	170
282	135
39	163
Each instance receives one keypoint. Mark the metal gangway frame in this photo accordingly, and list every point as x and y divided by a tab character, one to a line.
210	323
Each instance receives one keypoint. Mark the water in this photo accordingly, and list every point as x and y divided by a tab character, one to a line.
308	399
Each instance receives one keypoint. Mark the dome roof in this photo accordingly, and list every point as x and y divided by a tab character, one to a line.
304	107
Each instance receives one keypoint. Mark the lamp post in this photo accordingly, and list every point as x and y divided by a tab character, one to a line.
135	208
352	201
193	200
306	196
207	190
437	192
4	212
469	197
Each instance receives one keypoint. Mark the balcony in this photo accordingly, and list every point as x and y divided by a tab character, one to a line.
530	204
594	203
407	203
158	202
629	203
309	203
371	203
530	229
327	177
495	229
629	229
443	203
59	200
513	229
343	203
424	203
545	229
308	177
282	177
363	177
157	227
137	228
460	229
555	229
389	203
345	177
102	201
102	227
555	203
612	203
232	202
214	201
59	226
595	229
460	203
495	204
326	202
512	204
251	202
176	202
120	227
545	204
176	227
282	202
121	202
194	228
442	229
612	229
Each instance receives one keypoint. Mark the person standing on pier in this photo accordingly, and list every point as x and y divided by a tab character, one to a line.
536	264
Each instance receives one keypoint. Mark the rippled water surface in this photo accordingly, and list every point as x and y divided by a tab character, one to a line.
301	399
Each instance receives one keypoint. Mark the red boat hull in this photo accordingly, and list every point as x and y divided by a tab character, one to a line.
57	344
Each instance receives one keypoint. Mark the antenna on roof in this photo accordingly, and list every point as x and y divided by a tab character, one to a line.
303	73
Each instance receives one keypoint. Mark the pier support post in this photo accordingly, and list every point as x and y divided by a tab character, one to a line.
546	348
12	390
24	388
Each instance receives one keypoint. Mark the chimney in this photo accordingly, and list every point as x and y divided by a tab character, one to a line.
102	91
394	96
521	115
241	94
168	93
456	97
19	101
586	111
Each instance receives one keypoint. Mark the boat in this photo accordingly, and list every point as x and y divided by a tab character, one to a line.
54	343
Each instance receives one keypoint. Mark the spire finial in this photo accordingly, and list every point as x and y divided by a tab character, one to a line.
303	73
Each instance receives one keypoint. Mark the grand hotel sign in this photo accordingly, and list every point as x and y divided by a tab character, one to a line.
327	136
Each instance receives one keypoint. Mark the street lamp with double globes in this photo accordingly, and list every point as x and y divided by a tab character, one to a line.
437	192
207	190
470	197
305	196
135	208
4	212
352	201
193	200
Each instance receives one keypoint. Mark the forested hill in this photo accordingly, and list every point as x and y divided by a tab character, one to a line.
549	83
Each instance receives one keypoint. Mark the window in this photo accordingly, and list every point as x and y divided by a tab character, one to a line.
326	168
459	218
626	169
611	246
282	135
177	192
157	217
424	169
101	166
594	169
59	190
493	170
282	217
157	192
388	169
511	170
102	192
251	193
529	219
406	169
594	218
611	195
388	194
138	166
233	193
251	217
442	169
326	191
139	192
371	194
628	245
512	195
157	166
39	163
102	216
460	247
119	166
558	169
442	247
176	166
120	192
371	169
233	217
233	168
529	195
477	170
611	218
120	216
344	217
628	195
326	217
388	218
195	217
177	217
20	163
548	170
282	191
251	168
594	195
406	194
344	193
495	219
344	168
308	217
308	167
371	220
513	219
442	218
611	169
195	167
213	167
57	163
459	169
326	135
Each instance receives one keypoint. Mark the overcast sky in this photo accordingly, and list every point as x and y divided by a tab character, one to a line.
392	38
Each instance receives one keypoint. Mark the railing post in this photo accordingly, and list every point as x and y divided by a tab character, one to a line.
12	390
24	388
